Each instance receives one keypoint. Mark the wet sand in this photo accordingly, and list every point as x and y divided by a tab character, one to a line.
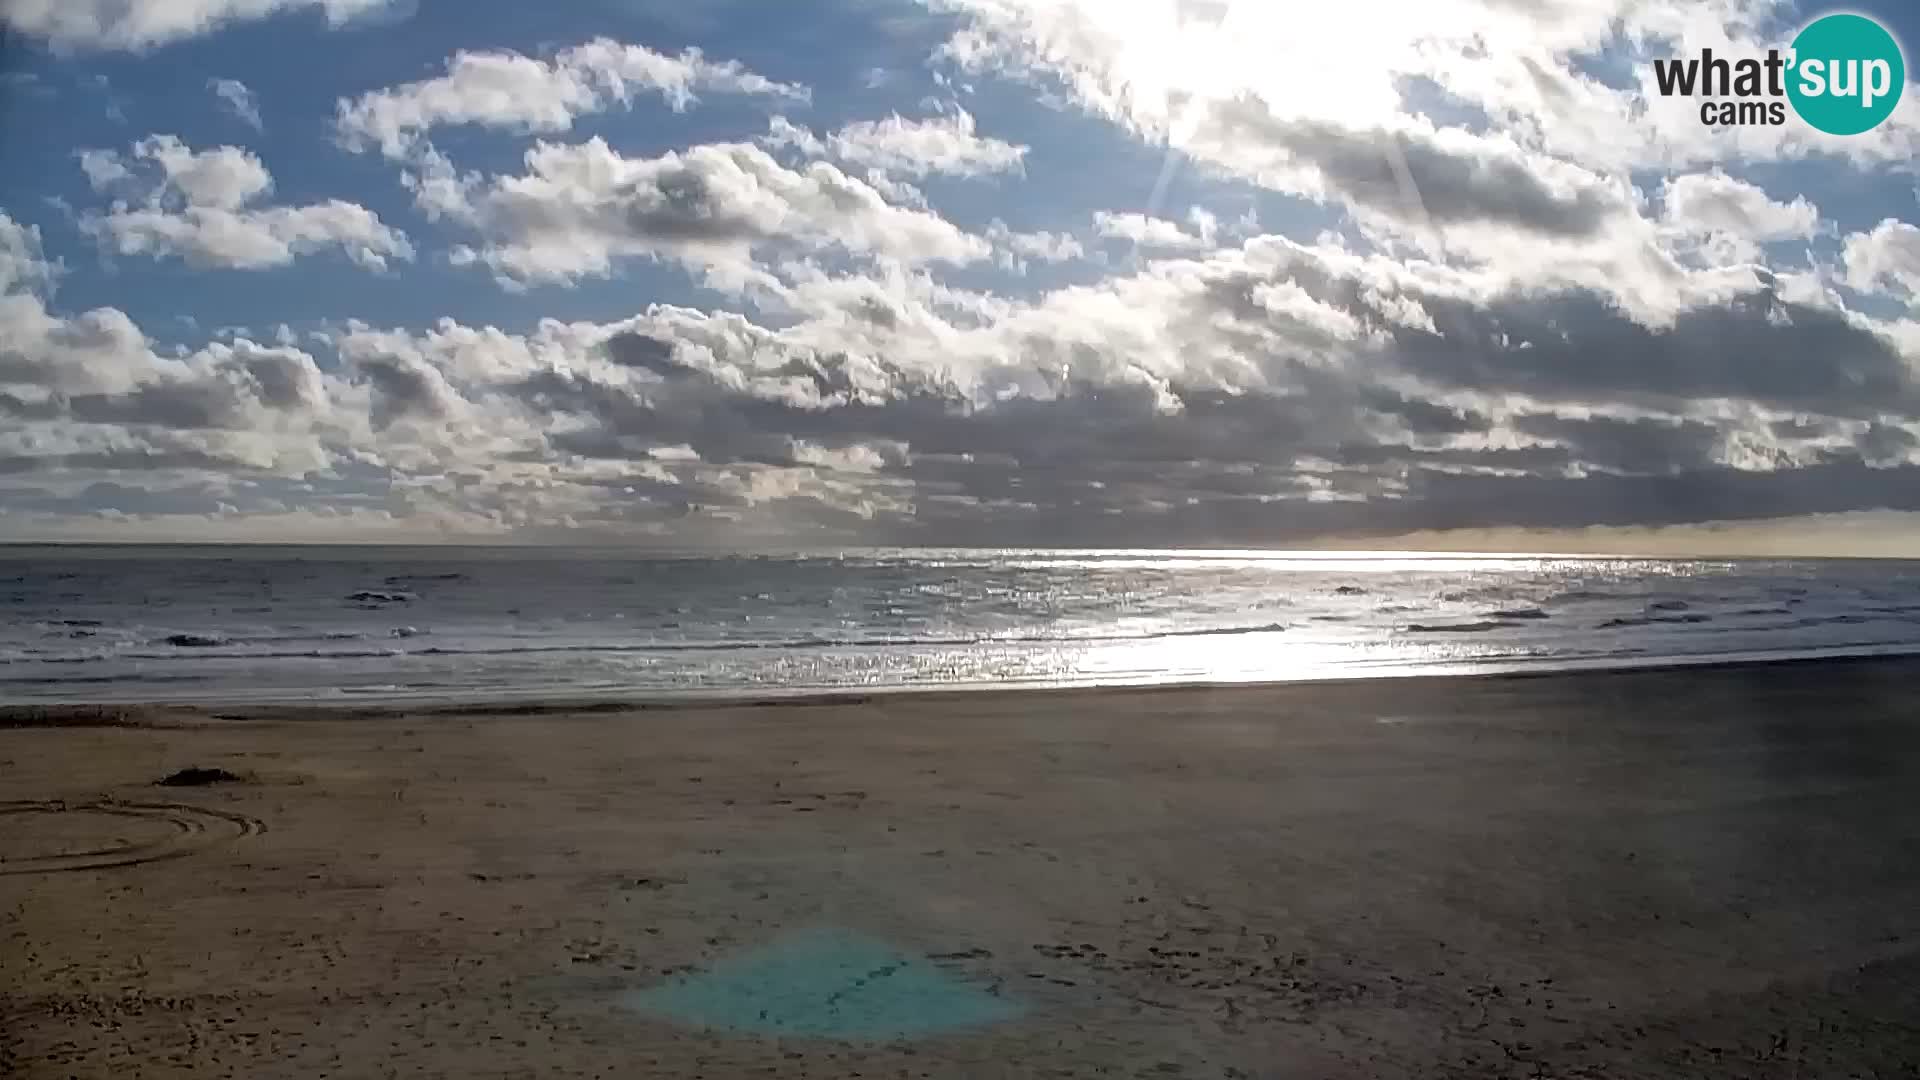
1709	872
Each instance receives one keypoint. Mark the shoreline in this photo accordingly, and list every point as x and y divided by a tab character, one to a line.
539	703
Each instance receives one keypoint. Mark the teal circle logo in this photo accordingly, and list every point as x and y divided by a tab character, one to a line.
1847	74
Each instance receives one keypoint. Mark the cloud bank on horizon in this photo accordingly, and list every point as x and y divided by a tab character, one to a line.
1196	272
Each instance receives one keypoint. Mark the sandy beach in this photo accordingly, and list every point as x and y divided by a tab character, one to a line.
1710	872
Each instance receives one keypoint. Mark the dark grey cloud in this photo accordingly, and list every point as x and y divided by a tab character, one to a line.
183	404
1187	462
46	408
1884	444
1639	445
146	459
1576	346
679	496
1579	346
1800	428
637	350
1420	416
284	382
1398	459
225	396
1413	175
1088	430
681	207
1440	500
1173	462
113	496
1696	495
405	387
208	404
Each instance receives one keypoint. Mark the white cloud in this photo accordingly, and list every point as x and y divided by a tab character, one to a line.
1732	217
1888	256
23	264
578	208
782	132
253	239
226	176
439	190
142	24
944	144
1274	389
103	168
1152	233
508	90
896	146
200	206
95	351
1014	250
1716	202
238	99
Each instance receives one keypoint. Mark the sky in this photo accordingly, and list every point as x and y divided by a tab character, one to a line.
1431	273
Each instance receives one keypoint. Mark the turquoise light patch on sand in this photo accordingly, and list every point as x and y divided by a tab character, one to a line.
828	984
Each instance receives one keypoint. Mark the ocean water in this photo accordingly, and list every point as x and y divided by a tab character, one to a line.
343	623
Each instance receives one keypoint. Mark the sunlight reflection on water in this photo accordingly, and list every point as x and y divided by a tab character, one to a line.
253	624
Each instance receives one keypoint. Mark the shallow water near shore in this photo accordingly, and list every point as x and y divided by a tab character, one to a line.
289	623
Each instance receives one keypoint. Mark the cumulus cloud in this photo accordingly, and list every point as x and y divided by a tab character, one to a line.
1888	256
23	265
1732	217
1274	391
1014	250
403	385
86	395
578	208
202	207
238	99
946	144
99	349
1717	203
1152	233
143	24
1261	393
226	176
511	91
1248	454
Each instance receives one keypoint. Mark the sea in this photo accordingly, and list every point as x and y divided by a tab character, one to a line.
347	624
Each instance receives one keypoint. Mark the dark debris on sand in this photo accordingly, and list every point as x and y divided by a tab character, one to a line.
198	777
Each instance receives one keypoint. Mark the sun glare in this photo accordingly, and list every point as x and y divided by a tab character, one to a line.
1336	63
